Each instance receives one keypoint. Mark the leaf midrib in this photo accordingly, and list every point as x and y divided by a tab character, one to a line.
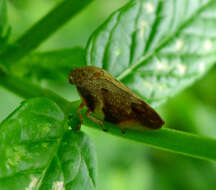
40	183
144	58
52	157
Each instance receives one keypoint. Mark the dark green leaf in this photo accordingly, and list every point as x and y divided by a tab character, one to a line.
54	65
157	48
36	153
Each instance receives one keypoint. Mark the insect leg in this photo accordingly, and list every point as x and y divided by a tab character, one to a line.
122	129
80	115
95	120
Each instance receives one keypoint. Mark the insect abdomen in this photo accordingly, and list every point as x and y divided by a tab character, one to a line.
146	115
88	97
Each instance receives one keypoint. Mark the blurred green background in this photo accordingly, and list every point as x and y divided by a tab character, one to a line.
123	164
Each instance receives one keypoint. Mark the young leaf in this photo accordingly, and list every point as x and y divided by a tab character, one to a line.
52	65
157	48
36	153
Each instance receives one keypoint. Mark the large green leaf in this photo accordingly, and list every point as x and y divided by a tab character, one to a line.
37	153
53	65
157	47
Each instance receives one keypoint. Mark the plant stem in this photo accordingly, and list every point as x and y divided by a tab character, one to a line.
45	27
27	89
165	139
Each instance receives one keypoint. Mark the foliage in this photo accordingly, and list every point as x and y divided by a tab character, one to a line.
156	52
37	149
157	48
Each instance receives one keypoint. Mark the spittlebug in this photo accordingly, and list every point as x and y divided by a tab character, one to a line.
110	100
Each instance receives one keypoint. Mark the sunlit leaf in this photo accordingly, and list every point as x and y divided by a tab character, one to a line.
157	48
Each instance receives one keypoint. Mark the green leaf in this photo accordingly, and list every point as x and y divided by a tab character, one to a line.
52	65
156	48
74	167
37	153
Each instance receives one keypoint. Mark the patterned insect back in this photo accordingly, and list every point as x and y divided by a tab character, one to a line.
112	100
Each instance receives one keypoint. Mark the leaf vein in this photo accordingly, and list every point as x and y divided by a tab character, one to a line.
143	59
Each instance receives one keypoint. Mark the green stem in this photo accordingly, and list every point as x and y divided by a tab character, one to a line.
165	139
45	27
168	139
174	141
27	89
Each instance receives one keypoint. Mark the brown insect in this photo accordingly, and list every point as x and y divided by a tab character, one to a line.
110	100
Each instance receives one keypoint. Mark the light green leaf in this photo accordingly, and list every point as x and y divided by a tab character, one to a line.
155	47
53	65
36	153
